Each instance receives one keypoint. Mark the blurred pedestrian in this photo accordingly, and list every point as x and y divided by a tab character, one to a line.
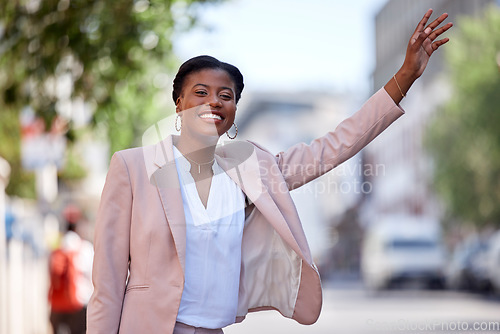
191	235
70	268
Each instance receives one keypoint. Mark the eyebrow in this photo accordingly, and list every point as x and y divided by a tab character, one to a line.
223	87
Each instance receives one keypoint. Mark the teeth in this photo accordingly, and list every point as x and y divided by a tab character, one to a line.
211	116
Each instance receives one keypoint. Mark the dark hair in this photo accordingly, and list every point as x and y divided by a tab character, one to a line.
199	63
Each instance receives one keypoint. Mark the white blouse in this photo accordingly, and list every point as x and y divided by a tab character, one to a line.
213	248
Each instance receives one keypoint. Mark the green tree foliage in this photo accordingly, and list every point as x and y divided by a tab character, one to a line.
464	138
103	54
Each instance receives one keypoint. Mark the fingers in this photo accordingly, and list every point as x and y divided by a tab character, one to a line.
438	21
429	31
439	31
434	24
437	44
423	21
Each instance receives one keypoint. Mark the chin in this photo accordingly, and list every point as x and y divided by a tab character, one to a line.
208	135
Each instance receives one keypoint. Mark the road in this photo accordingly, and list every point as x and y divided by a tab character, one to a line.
348	309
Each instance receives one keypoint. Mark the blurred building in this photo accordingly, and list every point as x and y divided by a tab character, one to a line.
405	186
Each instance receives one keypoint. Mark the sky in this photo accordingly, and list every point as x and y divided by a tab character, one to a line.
289	45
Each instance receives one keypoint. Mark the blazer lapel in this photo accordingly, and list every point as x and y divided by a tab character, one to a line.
167	183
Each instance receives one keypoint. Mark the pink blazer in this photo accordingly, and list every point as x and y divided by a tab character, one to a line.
140	235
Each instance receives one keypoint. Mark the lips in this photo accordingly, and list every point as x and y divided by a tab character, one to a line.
211	114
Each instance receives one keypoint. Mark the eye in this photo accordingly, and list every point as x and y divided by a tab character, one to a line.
226	96
201	92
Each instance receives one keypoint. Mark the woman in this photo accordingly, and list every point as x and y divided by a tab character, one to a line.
191	236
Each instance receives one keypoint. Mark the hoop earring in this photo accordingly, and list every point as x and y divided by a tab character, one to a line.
178	128
227	132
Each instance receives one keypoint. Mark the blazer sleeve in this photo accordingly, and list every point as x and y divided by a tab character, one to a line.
111	250
302	163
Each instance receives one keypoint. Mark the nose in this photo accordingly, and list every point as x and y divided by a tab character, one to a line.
214	101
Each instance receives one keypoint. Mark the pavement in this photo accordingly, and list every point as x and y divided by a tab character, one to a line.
349	309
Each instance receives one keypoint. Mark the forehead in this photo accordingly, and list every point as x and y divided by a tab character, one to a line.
209	77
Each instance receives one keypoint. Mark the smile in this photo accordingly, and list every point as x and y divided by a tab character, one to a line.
212	116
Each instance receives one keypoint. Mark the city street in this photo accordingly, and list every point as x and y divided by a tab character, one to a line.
138	179
351	310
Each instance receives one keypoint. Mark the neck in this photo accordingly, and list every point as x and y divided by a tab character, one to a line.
201	151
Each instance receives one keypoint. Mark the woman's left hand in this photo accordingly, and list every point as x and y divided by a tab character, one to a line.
423	43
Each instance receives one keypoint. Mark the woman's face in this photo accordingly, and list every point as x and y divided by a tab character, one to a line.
207	103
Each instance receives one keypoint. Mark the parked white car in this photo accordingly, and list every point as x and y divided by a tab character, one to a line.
399	249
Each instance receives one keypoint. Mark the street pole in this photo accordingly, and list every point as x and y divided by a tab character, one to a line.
4	179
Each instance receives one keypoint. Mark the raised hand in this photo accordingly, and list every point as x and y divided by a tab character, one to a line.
423	43
420	48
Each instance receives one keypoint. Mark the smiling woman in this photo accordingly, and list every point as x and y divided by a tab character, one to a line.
191	235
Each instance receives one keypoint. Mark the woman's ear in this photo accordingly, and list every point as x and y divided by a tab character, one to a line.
177	103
